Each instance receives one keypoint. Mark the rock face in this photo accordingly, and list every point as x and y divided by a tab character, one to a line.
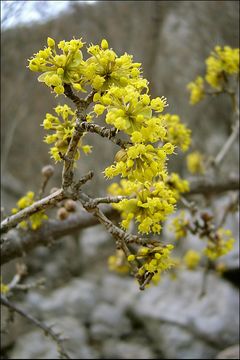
185	326
232	352
41	347
110	318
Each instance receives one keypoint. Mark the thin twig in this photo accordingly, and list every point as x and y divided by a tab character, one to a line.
208	185
228	144
76	187
46	329
120	235
18	242
104	132
69	157
230	207
106	200
43	204
122	238
75	99
203	289
146	281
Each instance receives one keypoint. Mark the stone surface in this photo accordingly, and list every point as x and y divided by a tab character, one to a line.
232	352
35	345
135	349
184	326
109	321
77	299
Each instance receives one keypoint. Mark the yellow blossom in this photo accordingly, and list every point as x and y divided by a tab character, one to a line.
35	220
191	259
221	244
197	90
196	163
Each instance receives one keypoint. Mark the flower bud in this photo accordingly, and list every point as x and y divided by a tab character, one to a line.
62	213
50	42
48	171
104	44
61	143
206	217
70	205
121	155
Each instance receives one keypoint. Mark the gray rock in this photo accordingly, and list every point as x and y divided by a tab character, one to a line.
78	299
95	245
109	321
184	326
232	352
35	345
115	349
119	290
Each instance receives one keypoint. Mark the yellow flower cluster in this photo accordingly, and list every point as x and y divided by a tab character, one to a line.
191	259
152	202
219	241
35	220
118	263
177	185
59	69
222	62
196	163
101	70
197	90
154	260
177	133
129	110
222	244
4	289
121	94
63	126
179	225
105	69
141	162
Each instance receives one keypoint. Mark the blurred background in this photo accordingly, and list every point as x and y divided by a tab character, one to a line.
104	315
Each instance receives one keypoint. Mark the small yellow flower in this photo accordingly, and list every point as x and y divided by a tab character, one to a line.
191	259
131	257
197	90
196	163
104	44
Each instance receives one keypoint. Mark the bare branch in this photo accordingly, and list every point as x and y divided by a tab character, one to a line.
104	132
18	242
213	185
69	157
106	200
46	329
80	103
227	146
67	174
45	203
233	204
119	235
79	183
122	238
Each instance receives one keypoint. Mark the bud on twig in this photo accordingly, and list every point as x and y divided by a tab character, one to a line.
62	213
47	171
70	205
